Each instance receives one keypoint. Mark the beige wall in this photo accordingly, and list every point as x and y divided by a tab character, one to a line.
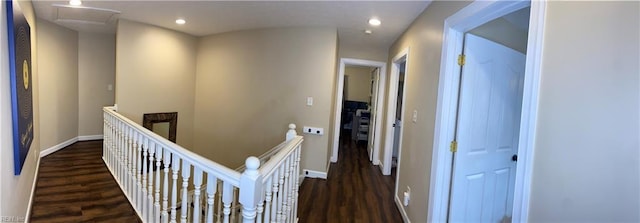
155	72
251	84
96	70
58	66
364	53
587	151
15	191
424	38
503	32
358	83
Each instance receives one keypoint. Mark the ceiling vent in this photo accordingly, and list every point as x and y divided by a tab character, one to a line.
81	14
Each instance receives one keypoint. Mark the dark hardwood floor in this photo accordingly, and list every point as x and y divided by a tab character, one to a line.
74	185
356	191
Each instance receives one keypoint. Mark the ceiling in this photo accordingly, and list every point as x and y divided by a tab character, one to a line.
212	17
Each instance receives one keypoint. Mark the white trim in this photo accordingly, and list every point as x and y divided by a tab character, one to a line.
27	216
475	14
340	82
60	146
90	137
529	116
403	56
403	212
314	174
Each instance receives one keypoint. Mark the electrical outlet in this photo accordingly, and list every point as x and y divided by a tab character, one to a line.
407	196
312	130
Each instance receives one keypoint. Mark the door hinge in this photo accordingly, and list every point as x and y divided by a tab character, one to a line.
454	146
461	59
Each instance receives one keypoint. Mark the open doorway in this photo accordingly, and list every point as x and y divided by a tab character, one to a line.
486	113
395	114
358	97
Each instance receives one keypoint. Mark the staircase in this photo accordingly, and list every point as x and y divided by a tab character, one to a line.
165	182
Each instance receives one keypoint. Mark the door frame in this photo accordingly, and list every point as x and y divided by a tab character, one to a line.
474	15
382	66
385	166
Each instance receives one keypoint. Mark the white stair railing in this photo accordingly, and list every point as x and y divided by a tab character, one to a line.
156	176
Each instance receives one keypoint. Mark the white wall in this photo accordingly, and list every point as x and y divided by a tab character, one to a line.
96	70
358	83
15	191
58	66
155	72
587	159
251	84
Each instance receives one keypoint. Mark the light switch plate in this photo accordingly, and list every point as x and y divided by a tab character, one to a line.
309	101
415	116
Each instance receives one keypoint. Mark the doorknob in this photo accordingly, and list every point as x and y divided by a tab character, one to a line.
514	158
394	125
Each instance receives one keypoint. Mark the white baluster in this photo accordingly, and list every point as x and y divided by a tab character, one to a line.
219	212
281	193
186	172
285	195
227	196
267	189
129	153
134	167
149	207
145	174
274	204
260	209
294	218
165	187
174	187
197	182
139	161
156	185
212	183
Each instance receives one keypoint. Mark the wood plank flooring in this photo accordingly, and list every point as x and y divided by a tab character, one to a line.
74	185
356	191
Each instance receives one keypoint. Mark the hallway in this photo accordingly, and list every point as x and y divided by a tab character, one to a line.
74	185
356	191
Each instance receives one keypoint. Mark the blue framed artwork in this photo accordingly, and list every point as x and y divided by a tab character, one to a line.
19	33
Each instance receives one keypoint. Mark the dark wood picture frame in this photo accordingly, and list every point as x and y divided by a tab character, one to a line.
172	117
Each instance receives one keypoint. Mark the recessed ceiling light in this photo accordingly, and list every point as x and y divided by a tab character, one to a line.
368	31
374	22
75	2
180	21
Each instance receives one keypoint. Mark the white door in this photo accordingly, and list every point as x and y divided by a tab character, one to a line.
375	78
487	132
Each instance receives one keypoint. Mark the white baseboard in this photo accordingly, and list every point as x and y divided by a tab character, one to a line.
60	146
314	174
403	212
376	162
27	216
381	167
300	179
334	159
90	137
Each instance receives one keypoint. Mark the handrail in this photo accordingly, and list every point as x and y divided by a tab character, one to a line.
276	160
148	169
224	173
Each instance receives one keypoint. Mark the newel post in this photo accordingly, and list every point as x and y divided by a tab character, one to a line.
292	132
250	189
